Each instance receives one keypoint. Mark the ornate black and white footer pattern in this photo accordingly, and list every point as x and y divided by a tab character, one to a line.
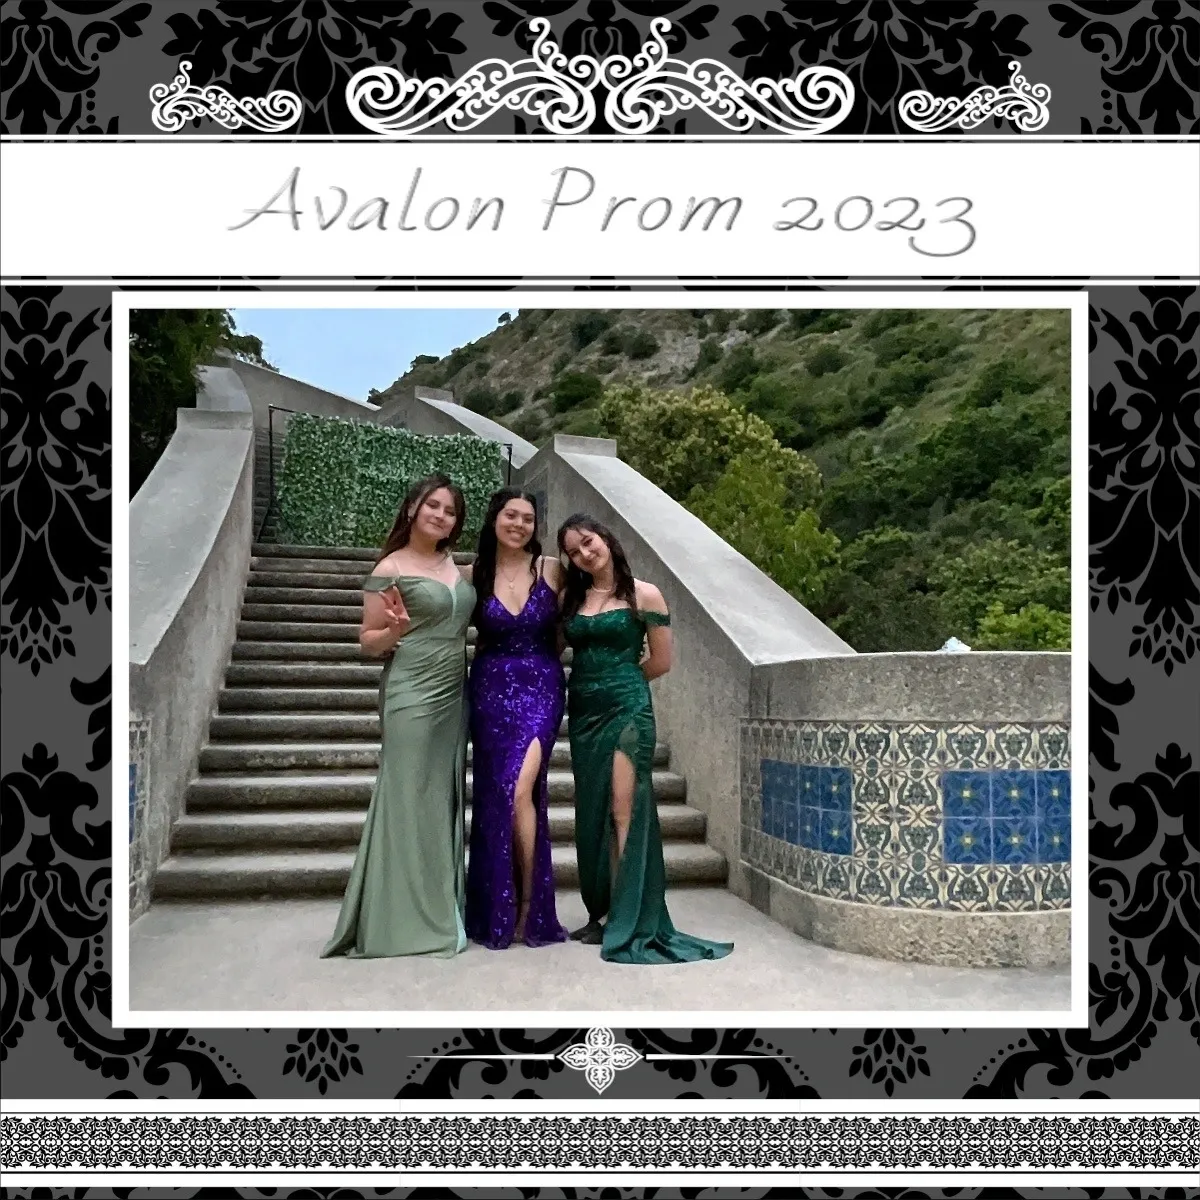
767	1143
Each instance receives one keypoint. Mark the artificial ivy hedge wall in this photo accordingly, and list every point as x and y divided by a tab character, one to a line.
342	481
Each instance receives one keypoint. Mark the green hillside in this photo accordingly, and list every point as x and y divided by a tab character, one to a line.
941	440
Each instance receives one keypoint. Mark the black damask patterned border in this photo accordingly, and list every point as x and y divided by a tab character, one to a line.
56	1036
1123	67
717	1143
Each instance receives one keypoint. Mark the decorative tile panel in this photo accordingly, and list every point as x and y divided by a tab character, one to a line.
960	817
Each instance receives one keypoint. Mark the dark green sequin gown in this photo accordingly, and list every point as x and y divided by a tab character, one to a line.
609	706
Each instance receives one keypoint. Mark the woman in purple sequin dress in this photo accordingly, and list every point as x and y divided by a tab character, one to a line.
517	692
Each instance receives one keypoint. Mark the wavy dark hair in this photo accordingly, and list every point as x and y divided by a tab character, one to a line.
411	505
483	573
577	582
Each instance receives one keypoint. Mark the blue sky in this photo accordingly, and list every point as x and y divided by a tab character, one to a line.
349	351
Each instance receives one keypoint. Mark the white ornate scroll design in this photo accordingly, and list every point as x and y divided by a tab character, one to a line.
1023	103
180	101
600	1056
558	91
654	86
555	89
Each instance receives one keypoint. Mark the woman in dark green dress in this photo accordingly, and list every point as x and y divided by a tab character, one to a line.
406	888
608	618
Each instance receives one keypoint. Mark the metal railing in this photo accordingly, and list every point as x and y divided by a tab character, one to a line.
271	497
271	409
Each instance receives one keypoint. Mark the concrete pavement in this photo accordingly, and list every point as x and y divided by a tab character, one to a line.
263	955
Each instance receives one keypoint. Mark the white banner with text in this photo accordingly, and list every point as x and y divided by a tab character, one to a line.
777	209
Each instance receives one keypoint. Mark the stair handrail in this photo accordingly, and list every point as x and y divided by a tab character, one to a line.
270	465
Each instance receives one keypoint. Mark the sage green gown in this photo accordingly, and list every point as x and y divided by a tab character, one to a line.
609	706
407	887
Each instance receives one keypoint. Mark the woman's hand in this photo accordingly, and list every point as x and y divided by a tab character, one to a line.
394	611
385	621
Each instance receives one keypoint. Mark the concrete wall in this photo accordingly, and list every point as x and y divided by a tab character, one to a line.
265	388
189	539
433	411
729	619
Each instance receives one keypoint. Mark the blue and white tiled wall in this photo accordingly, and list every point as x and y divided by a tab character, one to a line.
959	817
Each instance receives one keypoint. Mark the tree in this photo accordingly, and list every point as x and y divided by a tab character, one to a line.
424	360
504	318
1031	627
987	587
166	346
682	440
748	507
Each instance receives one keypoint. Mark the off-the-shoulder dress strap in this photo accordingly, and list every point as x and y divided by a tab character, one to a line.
655	618
378	583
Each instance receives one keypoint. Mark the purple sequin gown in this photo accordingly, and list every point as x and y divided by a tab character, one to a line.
517	692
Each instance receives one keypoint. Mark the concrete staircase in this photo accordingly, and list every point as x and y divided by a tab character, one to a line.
287	772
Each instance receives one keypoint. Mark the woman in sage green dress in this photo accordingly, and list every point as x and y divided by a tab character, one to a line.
406	889
608	617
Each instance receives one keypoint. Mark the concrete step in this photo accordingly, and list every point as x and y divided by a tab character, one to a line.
336	614
297	631
265	829
307	755
263	560
282	674
304	595
309	674
306	729
332	726
342	554
352	788
325	872
299	651
342	581
297	699
309	652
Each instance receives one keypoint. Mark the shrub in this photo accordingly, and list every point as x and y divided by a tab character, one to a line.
702	329
511	400
710	353
819	320
1004	376
587	328
824	361
424	360
482	399
740	366
504	318
758	321
561	362
721	318
483	366
888	318
641	343
575	388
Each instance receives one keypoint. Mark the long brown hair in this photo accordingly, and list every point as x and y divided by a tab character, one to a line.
483	573
577	581
411	505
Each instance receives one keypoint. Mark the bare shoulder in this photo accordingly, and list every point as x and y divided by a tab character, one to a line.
551	570
392	565
649	598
